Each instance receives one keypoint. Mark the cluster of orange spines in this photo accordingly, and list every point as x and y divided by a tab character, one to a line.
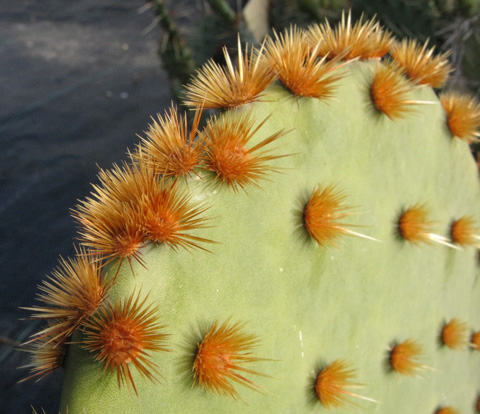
218	87
363	40
227	154
132	207
404	357
297	66
389	91
47	353
414	224
463	115
333	382
169	150
465	232
419	63
455	334
221	357
69	297
322	214
124	334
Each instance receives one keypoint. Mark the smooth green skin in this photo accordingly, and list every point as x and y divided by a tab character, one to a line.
310	304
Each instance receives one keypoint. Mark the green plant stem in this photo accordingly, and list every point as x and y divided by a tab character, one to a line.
176	54
223	10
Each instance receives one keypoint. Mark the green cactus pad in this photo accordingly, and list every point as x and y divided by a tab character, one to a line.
311	305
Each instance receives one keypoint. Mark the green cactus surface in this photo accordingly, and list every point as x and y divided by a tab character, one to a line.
310	305
306	251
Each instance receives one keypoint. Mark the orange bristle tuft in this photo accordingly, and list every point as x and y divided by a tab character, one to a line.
464	232
217	87
403	357
454	334
365	40
132	208
46	355
169	149
70	296
221	357
296	65
122	335
169	216
415	226
463	115
389	91
322	213
235	165
446	410
476	341
110	223
419	63
333	382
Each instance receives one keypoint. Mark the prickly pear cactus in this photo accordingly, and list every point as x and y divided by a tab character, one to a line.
312	249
